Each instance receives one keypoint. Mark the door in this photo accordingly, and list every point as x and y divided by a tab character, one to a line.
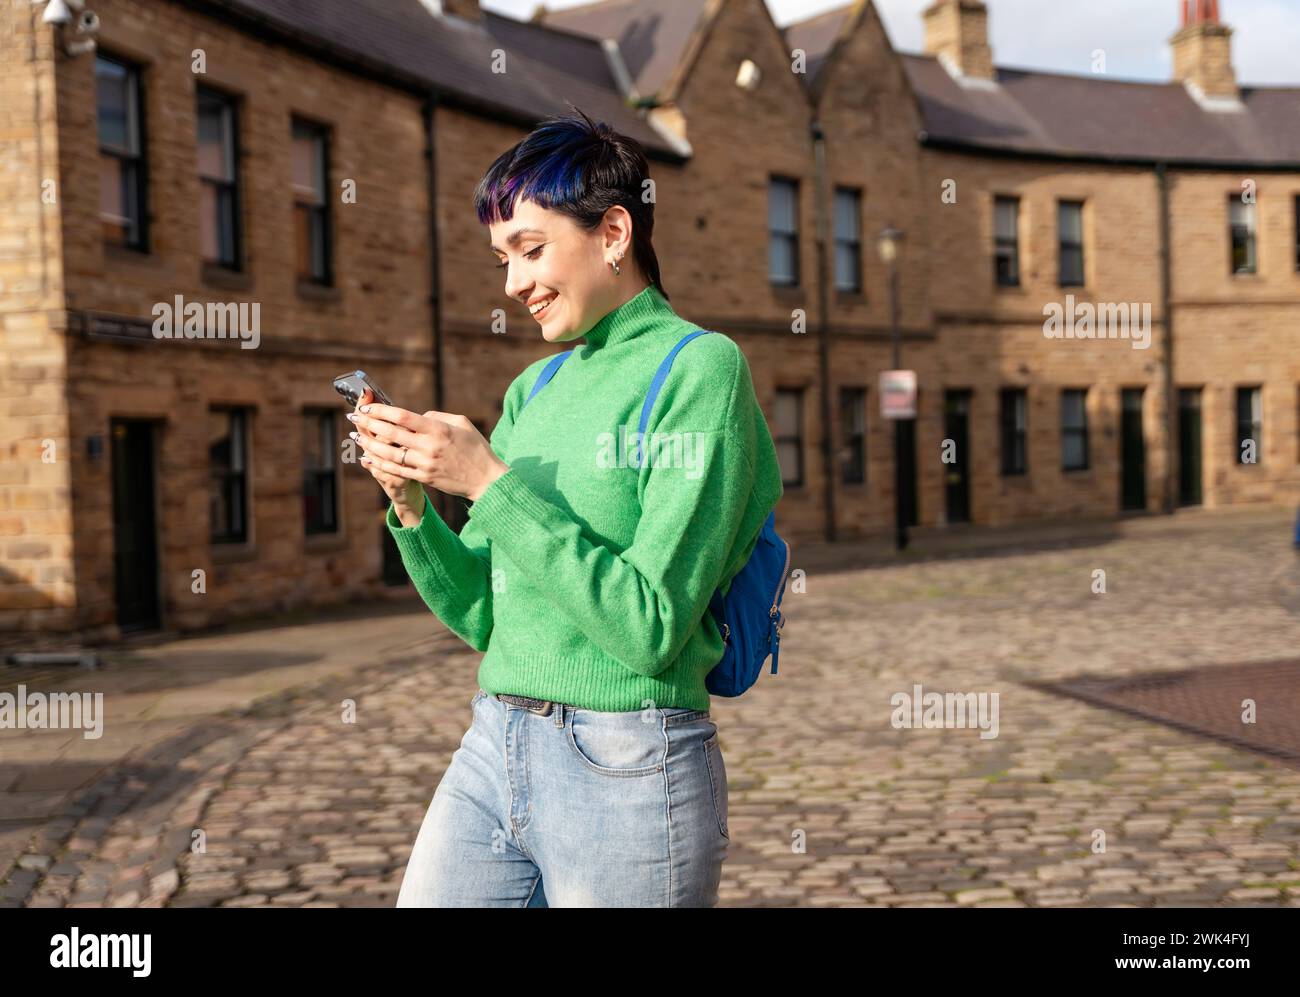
1189	446
956	427
906	440
135	538
1132	458
393	570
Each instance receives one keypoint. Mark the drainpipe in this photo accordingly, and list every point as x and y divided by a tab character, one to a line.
435	283
1172	456
823	325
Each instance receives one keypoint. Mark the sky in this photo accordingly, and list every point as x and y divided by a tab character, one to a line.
1062	35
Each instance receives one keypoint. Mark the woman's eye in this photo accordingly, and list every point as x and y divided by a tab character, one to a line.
532	254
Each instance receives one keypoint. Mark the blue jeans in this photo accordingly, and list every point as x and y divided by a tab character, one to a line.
578	808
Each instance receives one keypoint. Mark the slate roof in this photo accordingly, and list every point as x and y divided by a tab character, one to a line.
403	42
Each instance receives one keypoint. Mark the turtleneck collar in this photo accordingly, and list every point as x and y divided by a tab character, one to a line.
629	319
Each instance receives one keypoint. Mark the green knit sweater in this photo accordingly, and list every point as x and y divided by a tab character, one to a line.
585	577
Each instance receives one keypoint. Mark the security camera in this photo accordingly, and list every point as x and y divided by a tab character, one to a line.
88	23
57	12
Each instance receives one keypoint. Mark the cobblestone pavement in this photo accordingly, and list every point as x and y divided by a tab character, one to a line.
830	804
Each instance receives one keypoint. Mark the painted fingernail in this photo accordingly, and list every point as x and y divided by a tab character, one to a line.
365	408
352	417
355	436
365	460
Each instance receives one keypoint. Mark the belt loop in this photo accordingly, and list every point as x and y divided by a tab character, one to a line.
558	710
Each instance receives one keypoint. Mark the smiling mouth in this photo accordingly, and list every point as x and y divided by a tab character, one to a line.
545	308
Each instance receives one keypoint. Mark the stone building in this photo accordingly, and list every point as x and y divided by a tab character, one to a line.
300	176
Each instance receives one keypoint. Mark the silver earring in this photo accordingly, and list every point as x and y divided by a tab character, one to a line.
614	263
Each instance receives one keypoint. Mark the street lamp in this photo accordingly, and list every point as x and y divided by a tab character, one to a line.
888	243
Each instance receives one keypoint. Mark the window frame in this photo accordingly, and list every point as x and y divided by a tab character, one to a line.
1062	246
1296	219
244	422
139	160
1252	242
775	181
1001	243
852	245
1079	431
1255	421
325	422
795	439
853	439
1013	439
324	210
233	187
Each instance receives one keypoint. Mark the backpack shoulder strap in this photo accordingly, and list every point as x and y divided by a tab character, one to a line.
660	376
547	373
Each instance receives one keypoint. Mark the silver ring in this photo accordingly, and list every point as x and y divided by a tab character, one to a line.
402	462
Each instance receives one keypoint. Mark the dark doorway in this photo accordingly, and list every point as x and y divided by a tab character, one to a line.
1132	452
135	536
1189	446
956	476
394	571
907	468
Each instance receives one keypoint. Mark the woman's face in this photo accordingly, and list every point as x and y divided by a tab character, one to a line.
554	265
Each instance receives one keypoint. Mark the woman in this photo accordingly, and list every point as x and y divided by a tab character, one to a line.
591	773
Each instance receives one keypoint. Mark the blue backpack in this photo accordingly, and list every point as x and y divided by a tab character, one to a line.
749	616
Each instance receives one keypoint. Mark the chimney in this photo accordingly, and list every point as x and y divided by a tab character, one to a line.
957	31
467	10
1203	52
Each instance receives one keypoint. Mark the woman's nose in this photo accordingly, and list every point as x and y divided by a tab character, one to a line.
515	284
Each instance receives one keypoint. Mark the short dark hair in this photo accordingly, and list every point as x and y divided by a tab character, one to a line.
573	165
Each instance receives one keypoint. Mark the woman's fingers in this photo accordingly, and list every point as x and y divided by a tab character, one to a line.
396	426
385	451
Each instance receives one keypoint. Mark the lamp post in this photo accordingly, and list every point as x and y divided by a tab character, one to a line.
887	243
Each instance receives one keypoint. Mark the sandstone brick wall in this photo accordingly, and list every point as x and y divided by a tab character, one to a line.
37	452
378	313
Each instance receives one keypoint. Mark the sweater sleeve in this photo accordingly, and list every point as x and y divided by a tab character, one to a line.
640	605
453	573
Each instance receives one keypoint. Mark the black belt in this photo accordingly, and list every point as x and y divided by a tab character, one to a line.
542	707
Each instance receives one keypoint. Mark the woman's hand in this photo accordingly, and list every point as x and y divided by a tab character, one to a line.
407	496
436	448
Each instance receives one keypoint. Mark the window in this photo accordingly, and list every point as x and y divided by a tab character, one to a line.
319	472
1012	403
1297	231
1006	226
853	429
311	201
1250	425
1074	429
1069	216
789	435
218	180
1241	218
783	232
228	464
122	191
848	239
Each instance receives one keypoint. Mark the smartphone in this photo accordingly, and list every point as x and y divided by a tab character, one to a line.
353	384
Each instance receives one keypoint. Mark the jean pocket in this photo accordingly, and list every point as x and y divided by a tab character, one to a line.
618	744
718	778
480	695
